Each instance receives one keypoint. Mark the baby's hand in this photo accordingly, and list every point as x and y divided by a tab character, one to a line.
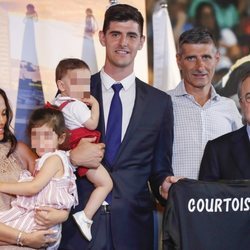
90	101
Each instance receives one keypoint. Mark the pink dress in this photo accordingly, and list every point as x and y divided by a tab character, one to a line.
59	193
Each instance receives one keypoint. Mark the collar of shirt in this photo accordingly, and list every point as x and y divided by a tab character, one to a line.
127	95
248	130
64	98
109	81
180	90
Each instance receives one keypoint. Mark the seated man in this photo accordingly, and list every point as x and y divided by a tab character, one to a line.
228	157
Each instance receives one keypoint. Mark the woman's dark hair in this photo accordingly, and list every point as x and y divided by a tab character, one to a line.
8	134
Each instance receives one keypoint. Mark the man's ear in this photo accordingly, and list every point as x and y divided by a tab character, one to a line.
142	40
217	57
178	60
102	38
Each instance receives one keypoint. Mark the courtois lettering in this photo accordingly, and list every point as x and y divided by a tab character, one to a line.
217	205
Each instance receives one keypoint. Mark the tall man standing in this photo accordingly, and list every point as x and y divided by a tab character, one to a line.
200	114
144	150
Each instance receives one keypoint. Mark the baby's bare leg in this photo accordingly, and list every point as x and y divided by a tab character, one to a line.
103	185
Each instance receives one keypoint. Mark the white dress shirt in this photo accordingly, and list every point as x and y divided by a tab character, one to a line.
195	125
127	95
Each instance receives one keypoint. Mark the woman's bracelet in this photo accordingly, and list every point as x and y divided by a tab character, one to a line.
18	240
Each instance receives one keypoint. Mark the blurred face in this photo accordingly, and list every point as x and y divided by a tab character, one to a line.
122	41
76	84
197	63
44	140
208	19
88	12
245	99
3	117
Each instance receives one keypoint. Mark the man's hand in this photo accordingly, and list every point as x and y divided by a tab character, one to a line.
164	188
87	153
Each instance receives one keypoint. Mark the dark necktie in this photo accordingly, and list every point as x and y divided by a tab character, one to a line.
114	125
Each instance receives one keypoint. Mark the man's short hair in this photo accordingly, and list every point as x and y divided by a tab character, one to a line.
122	13
196	36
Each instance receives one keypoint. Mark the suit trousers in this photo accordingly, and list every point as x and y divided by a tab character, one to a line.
103	239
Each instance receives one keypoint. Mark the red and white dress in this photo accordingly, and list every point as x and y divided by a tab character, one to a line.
76	113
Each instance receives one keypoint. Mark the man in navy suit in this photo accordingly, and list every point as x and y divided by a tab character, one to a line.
228	157
143	161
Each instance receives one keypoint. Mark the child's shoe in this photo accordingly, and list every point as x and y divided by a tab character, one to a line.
84	224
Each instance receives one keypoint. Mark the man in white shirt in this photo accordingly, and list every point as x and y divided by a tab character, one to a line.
200	114
146	137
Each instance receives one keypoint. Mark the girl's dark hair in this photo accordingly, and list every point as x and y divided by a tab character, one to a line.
8	134
52	116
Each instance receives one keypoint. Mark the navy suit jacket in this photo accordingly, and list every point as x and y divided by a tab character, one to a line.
227	157
145	155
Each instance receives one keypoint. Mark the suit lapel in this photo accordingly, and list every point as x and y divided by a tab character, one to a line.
135	118
241	151
141	92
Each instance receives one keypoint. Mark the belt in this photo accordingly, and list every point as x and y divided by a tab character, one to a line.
106	209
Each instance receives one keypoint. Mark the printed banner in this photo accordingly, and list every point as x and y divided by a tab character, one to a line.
36	36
